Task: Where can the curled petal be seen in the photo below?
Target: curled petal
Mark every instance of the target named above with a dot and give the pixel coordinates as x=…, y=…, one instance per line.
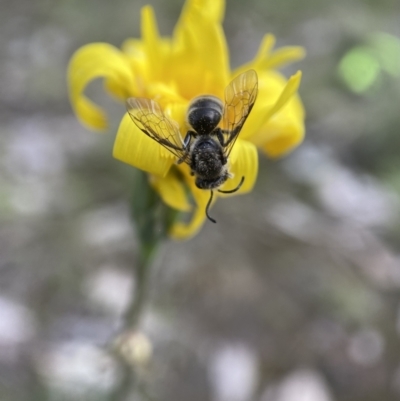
x=97, y=60
x=115, y=89
x=134, y=147
x=243, y=163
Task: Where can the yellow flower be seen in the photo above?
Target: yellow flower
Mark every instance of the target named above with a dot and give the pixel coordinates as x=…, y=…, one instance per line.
x=172, y=71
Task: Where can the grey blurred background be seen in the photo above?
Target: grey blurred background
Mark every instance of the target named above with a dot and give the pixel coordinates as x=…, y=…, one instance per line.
x=292, y=296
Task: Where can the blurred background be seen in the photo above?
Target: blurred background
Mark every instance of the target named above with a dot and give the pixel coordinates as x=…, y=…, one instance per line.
x=292, y=296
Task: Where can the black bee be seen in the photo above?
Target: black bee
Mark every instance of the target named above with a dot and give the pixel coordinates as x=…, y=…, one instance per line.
x=213, y=130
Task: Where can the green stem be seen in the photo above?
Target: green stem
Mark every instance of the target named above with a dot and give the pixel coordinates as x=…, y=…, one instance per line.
x=146, y=256
x=152, y=219
x=132, y=316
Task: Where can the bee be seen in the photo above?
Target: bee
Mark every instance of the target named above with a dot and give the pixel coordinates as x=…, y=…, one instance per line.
x=213, y=129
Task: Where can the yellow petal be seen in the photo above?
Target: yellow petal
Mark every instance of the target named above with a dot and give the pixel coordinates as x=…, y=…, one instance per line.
x=186, y=230
x=134, y=147
x=263, y=52
x=268, y=59
x=282, y=134
x=149, y=31
x=267, y=44
x=172, y=190
x=154, y=47
x=213, y=10
x=134, y=50
x=177, y=110
x=200, y=50
x=285, y=129
x=88, y=63
x=273, y=95
x=177, y=113
x=165, y=95
x=115, y=89
x=290, y=89
x=183, y=230
x=283, y=56
x=243, y=163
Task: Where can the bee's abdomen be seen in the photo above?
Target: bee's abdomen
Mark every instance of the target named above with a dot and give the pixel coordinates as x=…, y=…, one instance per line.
x=207, y=159
x=208, y=166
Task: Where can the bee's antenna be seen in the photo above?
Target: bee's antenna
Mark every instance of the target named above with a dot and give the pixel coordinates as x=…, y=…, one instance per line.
x=208, y=206
x=233, y=190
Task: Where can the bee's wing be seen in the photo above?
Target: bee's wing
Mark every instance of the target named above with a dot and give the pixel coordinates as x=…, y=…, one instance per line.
x=240, y=96
x=149, y=118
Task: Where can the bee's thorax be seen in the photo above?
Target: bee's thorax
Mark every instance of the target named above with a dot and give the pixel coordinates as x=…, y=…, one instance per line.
x=204, y=114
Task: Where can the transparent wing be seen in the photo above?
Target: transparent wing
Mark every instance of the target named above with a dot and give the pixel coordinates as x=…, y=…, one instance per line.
x=240, y=96
x=149, y=118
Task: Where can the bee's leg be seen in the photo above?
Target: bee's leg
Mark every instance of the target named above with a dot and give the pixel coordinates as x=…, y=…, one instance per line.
x=186, y=143
x=219, y=134
x=208, y=207
x=233, y=190
x=188, y=137
x=185, y=147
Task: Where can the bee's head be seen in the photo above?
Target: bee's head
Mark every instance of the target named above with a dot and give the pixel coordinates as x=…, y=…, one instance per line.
x=204, y=114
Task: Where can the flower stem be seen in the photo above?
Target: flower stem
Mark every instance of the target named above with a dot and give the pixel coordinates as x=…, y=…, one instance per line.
x=152, y=220
x=146, y=257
